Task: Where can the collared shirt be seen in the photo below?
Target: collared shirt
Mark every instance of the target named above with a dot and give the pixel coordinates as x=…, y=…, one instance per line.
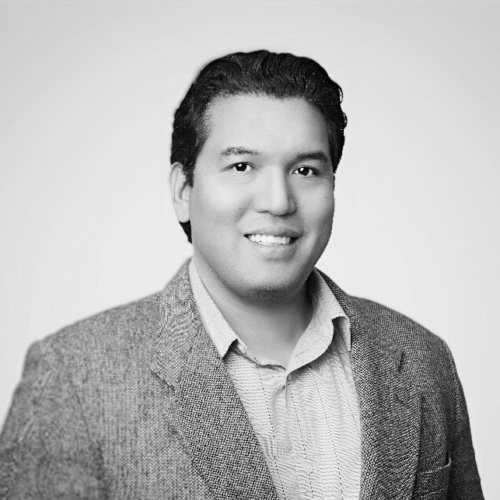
x=305, y=416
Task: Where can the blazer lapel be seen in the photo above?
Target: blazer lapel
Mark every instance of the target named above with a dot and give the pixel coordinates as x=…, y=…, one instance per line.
x=389, y=407
x=209, y=415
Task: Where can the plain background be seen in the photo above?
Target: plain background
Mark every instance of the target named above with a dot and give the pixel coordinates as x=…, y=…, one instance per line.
x=87, y=95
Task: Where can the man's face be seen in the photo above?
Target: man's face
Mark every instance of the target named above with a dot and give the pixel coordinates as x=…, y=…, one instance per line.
x=261, y=205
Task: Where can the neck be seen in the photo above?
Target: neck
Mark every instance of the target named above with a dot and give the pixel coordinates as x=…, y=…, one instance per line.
x=269, y=324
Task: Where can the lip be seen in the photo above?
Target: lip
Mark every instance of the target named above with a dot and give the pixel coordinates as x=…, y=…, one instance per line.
x=290, y=232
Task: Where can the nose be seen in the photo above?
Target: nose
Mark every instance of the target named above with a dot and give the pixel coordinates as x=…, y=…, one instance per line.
x=274, y=193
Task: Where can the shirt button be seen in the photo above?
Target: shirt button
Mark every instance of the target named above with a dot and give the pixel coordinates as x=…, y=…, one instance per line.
x=308, y=467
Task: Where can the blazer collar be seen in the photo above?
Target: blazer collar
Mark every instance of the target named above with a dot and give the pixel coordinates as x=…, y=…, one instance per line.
x=215, y=427
x=389, y=404
x=208, y=412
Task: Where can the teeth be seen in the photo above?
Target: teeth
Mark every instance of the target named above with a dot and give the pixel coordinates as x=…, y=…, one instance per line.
x=267, y=239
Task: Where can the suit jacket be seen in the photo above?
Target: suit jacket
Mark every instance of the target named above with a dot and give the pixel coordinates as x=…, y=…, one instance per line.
x=135, y=403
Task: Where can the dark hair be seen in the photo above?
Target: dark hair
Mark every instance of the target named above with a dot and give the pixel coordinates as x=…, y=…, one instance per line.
x=260, y=73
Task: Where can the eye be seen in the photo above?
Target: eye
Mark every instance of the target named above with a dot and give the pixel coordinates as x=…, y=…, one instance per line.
x=305, y=171
x=241, y=167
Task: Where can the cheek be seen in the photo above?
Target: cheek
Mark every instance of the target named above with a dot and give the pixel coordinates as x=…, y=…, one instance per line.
x=214, y=205
x=319, y=214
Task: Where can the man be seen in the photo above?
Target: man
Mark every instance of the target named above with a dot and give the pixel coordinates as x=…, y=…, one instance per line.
x=252, y=375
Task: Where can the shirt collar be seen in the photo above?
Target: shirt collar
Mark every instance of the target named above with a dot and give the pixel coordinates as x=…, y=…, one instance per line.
x=326, y=309
x=216, y=325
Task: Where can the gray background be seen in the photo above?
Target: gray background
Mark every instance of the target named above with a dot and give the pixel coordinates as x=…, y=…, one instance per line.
x=87, y=94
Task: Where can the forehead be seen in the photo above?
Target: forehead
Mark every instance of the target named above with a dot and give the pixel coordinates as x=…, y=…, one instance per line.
x=264, y=122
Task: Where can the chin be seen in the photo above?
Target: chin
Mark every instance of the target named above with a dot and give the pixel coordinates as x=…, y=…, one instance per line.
x=270, y=295
x=274, y=291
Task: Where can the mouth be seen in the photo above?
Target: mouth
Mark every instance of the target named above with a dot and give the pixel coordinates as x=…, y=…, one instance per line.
x=271, y=240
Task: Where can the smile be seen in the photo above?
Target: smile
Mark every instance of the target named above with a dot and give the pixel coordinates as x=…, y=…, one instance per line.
x=269, y=240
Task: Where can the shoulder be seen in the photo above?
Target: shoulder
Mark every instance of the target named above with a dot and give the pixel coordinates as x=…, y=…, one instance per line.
x=118, y=325
x=396, y=328
x=103, y=346
x=423, y=356
x=389, y=330
x=113, y=340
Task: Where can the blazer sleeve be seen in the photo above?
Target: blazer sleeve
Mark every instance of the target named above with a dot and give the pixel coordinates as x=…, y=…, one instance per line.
x=465, y=483
x=46, y=451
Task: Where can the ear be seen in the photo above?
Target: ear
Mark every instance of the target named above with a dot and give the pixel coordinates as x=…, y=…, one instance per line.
x=180, y=191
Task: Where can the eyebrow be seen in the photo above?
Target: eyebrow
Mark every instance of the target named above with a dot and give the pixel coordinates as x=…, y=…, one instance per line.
x=309, y=155
x=312, y=155
x=238, y=151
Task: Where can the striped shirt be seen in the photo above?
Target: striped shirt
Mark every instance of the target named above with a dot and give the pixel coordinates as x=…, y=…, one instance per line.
x=305, y=416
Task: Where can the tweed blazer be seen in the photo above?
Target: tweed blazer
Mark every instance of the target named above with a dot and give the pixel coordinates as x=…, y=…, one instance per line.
x=135, y=403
